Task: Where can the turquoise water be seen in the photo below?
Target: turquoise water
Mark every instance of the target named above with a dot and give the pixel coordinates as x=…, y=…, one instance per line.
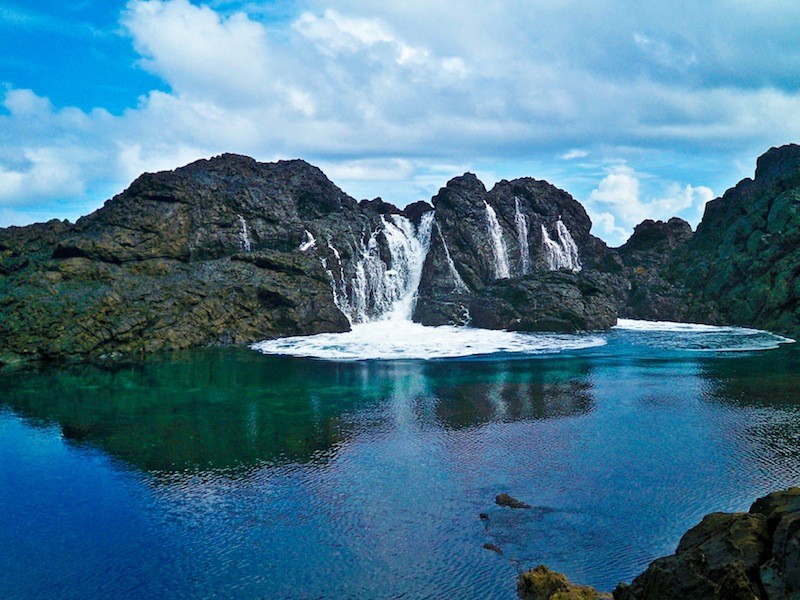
x=229, y=473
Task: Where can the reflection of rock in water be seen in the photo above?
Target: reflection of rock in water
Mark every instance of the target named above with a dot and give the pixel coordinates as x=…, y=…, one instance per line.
x=767, y=386
x=226, y=409
x=513, y=392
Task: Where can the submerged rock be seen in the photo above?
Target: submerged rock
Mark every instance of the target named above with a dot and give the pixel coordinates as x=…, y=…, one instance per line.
x=509, y=502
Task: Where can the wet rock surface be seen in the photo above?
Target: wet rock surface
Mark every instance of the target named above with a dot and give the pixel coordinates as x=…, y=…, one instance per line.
x=553, y=301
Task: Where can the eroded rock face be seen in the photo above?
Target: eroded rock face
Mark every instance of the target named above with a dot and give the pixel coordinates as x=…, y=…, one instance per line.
x=221, y=251
x=549, y=301
x=647, y=255
x=741, y=266
x=520, y=228
x=165, y=264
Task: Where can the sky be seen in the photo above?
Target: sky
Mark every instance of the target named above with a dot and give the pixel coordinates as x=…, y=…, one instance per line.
x=638, y=109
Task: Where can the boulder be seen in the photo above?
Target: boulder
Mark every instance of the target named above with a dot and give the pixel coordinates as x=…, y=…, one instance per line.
x=549, y=301
x=540, y=583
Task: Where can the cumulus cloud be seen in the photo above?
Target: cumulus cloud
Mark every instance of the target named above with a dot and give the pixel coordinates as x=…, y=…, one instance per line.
x=616, y=205
x=382, y=94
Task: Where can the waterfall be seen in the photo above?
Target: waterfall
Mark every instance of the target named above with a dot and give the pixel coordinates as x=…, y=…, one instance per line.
x=501, y=268
x=308, y=241
x=378, y=290
x=522, y=236
x=561, y=254
x=460, y=286
x=244, y=236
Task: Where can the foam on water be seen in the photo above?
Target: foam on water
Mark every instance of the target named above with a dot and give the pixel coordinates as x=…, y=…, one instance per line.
x=397, y=340
x=700, y=338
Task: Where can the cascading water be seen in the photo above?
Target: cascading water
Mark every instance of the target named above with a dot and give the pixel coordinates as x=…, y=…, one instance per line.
x=378, y=290
x=522, y=236
x=561, y=254
x=501, y=268
x=244, y=236
x=308, y=241
x=458, y=282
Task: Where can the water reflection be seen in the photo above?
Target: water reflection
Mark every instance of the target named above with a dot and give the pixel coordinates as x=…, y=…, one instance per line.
x=234, y=410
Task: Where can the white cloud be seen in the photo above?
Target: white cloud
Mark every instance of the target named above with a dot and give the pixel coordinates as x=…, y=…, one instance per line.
x=394, y=169
x=46, y=173
x=381, y=93
x=573, y=154
x=616, y=205
x=199, y=52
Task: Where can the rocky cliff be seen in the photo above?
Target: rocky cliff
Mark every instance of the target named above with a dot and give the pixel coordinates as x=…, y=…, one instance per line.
x=222, y=251
x=742, y=266
x=230, y=250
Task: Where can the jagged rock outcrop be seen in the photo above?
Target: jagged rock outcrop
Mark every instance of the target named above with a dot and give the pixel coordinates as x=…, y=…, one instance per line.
x=727, y=556
x=221, y=251
x=518, y=228
x=742, y=266
x=230, y=250
x=646, y=256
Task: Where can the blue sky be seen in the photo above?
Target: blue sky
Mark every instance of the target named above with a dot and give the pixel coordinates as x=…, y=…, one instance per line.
x=640, y=110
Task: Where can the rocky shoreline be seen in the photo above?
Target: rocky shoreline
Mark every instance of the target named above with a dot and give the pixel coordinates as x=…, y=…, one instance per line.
x=727, y=556
x=230, y=251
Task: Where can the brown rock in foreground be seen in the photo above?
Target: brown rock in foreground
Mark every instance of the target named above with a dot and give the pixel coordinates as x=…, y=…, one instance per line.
x=543, y=584
x=727, y=556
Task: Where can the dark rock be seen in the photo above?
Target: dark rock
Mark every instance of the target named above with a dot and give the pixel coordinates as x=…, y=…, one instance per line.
x=738, y=556
x=483, y=516
x=461, y=260
x=207, y=254
x=540, y=583
x=731, y=556
x=415, y=210
x=742, y=266
x=509, y=502
x=551, y=301
x=380, y=206
x=493, y=548
x=781, y=573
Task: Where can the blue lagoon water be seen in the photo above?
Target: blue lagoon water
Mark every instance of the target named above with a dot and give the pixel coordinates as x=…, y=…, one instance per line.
x=232, y=473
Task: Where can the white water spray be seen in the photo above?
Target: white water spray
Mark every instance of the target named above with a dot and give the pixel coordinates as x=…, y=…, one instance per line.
x=458, y=282
x=522, y=237
x=244, y=236
x=308, y=241
x=501, y=268
x=377, y=290
x=561, y=254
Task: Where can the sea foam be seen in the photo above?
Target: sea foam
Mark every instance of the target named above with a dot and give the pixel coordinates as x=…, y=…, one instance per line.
x=700, y=338
x=397, y=340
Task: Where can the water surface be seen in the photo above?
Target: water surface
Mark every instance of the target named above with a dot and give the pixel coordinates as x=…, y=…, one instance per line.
x=234, y=473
